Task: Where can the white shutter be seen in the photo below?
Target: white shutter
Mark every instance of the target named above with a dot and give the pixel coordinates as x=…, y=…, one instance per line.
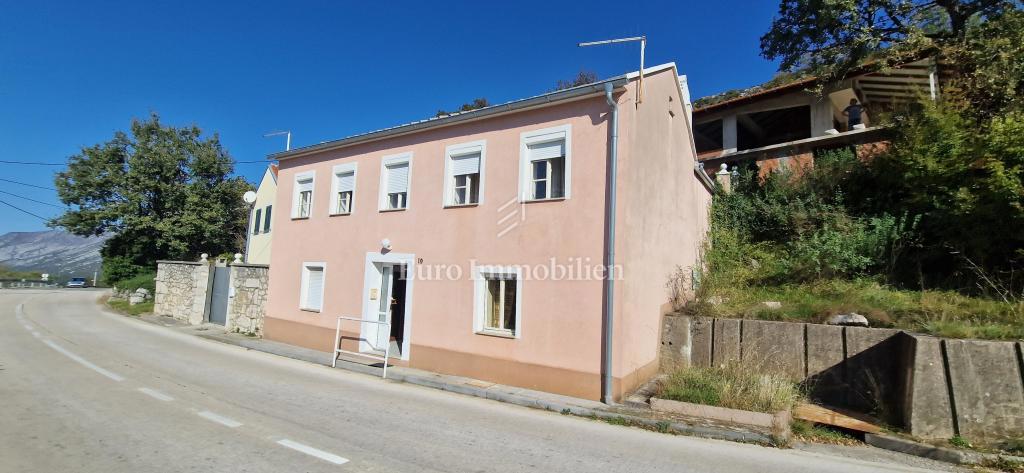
x=398, y=178
x=346, y=181
x=548, y=150
x=467, y=164
x=305, y=185
x=314, y=288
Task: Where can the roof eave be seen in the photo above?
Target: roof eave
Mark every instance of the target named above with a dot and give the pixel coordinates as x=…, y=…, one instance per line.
x=549, y=99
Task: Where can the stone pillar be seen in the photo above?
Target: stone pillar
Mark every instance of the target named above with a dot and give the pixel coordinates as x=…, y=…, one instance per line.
x=729, y=139
x=724, y=178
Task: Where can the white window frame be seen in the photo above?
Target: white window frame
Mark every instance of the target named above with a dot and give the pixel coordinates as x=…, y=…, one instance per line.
x=343, y=169
x=304, y=286
x=527, y=138
x=389, y=160
x=480, y=300
x=310, y=176
x=455, y=151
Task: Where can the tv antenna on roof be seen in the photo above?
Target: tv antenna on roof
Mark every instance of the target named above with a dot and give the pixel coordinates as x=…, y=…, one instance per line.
x=643, y=45
x=288, y=143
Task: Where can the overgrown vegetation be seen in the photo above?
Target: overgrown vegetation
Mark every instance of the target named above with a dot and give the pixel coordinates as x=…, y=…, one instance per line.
x=145, y=281
x=926, y=235
x=122, y=306
x=733, y=385
x=807, y=431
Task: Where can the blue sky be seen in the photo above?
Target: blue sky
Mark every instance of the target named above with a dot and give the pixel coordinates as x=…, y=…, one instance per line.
x=71, y=74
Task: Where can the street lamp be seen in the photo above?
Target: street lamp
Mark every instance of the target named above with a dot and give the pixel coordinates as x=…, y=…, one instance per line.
x=250, y=198
x=288, y=142
x=643, y=45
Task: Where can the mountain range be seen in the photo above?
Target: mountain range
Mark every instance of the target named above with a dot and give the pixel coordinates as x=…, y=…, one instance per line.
x=56, y=252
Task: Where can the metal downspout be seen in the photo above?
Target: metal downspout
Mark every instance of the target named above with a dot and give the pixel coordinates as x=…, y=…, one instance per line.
x=608, y=311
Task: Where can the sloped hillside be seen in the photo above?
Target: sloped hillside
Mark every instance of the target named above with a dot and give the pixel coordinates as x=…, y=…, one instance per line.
x=56, y=252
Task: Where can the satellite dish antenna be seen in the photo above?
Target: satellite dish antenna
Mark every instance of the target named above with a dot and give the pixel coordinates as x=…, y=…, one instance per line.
x=249, y=197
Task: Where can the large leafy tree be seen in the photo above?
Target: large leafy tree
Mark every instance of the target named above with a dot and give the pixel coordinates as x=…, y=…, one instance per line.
x=830, y=36
x=162, y=192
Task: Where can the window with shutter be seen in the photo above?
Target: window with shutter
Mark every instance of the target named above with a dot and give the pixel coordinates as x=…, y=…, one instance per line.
x=302, y=203
x=312, y=287
x=397, y=185
x=464, y=173
x=547, y=162
x=545, y=158
x=344, y=192
x=266, y=219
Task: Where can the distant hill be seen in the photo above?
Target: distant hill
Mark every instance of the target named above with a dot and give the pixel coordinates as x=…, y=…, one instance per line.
x=59, y=253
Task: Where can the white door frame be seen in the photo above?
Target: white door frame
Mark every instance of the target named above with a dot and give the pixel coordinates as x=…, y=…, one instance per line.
x=372, y=281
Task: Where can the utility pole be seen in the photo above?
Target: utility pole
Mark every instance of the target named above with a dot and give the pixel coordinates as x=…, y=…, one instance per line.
x=643, y=46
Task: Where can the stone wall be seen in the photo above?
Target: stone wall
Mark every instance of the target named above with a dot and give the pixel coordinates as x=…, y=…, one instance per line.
x=182, y=290
x=935, y=388
x=248, y=297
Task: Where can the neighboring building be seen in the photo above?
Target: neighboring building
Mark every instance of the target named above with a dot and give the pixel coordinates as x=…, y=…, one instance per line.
x=784, y=126
x=455, y=229
x=260, y=220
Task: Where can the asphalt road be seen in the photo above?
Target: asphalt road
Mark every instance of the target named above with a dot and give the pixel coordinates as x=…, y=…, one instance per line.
x=83, y=390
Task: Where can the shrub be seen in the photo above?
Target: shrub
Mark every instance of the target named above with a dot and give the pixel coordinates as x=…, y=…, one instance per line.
x=119, y=268
x=146, y=281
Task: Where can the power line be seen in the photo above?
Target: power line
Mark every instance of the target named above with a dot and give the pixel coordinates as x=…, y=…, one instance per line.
x=31, y=199
x=26, y=184
x=15, y=207
x=30, y=162
x=65, y=164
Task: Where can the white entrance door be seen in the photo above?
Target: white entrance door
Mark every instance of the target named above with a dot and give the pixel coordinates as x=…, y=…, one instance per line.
x=383, y=335
x=387, y=298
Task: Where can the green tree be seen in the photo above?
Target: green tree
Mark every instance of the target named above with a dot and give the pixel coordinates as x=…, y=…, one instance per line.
x=466, y=107
x=163, y=192
x=830, y=36
x=582, y=78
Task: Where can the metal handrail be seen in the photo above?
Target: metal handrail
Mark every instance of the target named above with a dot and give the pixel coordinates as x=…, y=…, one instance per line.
x=337, y=343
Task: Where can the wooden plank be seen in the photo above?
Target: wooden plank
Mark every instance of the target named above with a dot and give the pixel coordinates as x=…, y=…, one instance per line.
x=824, y=415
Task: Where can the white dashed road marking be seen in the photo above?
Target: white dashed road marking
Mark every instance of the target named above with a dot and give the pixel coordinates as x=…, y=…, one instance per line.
x=153, y=393
x=84, y=362
x=227, y=422
x=330, y=457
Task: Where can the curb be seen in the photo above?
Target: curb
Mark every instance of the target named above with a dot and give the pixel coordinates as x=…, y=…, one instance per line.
x=910, y=447
x=943, y=454
x=510, y=395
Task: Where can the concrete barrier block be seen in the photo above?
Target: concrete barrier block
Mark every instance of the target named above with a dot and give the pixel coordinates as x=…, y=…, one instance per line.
x=987, y=392
x=928, y=411
x=700, y=339
x=826, y=378
x=776, y=347
x=675, y=342
x=873, y=361
x=726, y=346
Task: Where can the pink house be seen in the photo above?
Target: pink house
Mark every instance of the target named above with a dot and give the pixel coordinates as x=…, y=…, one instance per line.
x=482, y=237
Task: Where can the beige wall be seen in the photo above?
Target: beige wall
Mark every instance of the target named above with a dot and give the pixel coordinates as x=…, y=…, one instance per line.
x=259, y=244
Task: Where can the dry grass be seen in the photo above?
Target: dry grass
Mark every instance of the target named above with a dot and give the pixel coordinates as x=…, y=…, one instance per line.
x=734, y=385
